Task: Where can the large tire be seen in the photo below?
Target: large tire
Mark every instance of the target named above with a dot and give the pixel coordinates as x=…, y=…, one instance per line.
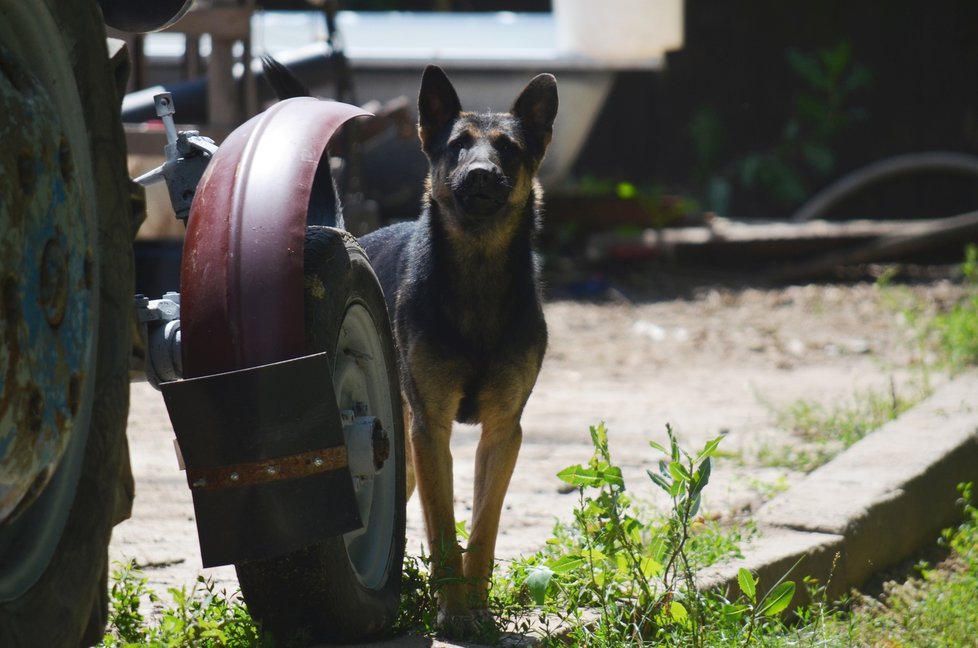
x=67, y=605
x=346, y=588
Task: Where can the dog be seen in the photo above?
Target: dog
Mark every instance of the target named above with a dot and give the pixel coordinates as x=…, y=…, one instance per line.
x=463, y=291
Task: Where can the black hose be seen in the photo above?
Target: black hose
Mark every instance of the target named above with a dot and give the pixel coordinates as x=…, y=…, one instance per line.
x=861, y=178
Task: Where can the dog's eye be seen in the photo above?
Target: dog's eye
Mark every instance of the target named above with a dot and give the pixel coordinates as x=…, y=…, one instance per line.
x=505, y=145
x=461, y=142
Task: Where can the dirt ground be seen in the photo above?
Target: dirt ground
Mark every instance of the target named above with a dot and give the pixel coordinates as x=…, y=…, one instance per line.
x=711, y=360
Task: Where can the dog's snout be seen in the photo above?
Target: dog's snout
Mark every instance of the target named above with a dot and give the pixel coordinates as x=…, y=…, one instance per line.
x=482, y=175
x=481, y=188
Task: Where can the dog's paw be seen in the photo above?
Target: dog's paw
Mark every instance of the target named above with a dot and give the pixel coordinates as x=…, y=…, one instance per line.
x=477, y=624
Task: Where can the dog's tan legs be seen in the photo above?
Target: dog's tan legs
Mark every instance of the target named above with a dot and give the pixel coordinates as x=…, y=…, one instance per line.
x=433, y=471
x=494, y=462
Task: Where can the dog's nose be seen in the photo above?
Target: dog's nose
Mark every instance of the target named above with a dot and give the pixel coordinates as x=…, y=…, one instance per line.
x=482, y=189
x=481, y=176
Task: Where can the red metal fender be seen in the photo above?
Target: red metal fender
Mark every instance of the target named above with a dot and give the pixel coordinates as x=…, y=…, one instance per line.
x=241, y=293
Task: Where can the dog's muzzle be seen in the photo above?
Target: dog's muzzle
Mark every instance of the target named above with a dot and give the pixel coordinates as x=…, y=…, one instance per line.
x=482, y=190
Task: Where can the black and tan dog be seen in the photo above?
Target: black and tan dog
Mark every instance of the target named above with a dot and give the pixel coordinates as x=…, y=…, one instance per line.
x=463, y=292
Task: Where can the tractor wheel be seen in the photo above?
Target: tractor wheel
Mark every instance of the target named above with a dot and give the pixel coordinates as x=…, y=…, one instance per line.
x=67, y=306
x=346, y=588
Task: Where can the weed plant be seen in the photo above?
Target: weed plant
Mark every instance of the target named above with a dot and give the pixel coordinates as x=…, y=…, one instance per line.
x=640, y=577
x=828, y=92
x=611, y=578
x=200, y=618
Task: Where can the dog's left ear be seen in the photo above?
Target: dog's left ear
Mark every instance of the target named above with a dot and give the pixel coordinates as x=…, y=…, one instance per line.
x=536, y=108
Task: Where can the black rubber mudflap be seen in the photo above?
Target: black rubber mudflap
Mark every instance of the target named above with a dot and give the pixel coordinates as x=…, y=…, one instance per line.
x=265, y=459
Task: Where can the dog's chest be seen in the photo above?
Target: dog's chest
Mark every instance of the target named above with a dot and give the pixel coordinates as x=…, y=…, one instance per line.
x=491, y=302
x=485, y=339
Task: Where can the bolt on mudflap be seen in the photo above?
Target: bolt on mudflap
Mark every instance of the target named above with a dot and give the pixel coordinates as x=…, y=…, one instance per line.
x=265, y=458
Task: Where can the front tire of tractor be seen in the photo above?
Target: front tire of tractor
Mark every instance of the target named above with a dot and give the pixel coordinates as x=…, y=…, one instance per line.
x=346, y=588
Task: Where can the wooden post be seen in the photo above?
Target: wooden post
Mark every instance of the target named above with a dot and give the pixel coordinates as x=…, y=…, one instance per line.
x=227, y=22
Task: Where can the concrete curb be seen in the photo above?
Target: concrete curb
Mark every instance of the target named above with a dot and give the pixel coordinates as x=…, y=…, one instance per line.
x=873, y=506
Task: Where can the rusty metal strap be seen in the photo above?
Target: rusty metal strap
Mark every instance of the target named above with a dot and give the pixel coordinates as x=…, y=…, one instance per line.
x=268, y=470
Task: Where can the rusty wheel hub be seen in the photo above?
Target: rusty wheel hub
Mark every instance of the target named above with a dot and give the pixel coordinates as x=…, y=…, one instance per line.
x=49, y=287
x=47, y=328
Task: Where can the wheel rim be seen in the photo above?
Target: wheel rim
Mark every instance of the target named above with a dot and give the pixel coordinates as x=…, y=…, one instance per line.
x=363, y=388
x=61, y=336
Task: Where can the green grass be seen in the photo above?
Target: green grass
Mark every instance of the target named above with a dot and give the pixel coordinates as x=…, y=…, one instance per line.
x=938, y=607
x=566, y=598
x=946, y=334
x=820, y=432
x=612, y=578
x=947, y=340
x=957, y=329
x=201, y=618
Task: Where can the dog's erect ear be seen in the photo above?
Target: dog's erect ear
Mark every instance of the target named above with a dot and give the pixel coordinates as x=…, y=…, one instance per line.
x=438, y=104
x=536, y=108
x=285, y=84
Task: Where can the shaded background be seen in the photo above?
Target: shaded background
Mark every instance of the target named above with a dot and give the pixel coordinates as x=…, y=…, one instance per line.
x=766, y=103
x=922, y=58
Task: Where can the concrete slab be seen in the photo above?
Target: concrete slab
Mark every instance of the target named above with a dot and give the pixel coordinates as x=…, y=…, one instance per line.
x=892, y=492
x=773, y=555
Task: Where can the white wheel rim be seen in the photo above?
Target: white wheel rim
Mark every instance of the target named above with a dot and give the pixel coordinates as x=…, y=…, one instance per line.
x=362, y=385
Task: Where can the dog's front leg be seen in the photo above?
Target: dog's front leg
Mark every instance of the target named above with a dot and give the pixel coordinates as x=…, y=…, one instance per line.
x=430, y=436
x=494, y=462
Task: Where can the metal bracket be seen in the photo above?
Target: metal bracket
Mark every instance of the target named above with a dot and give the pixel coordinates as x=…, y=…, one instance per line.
x=161, y=317
x=187, y=155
